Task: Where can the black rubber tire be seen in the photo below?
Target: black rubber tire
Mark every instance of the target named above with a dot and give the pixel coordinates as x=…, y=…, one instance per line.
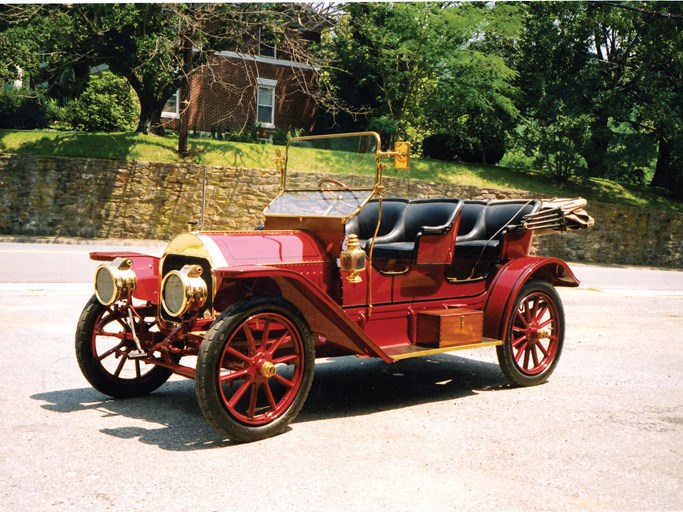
x=212, y=358
x=100, y=377
x=538, y=360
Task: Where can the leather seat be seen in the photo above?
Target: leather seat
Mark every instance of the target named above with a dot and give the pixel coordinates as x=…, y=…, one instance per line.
x=421, y=217
x=471, y=211
x=365, y=223
x=497, y=218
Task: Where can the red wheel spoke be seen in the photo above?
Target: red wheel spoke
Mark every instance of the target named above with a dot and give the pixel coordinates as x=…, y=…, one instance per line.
x=527, y=350
x=123, y=324
x=233, y=375
x=534, y=308
x=283, y=381
x=280, y=341
x=520, y=352
x=518, y=341
x=539, y=314
x=138, y=372
x=286, y=359
x=270, y=397
x=546, y=323
x=534, y=355
x=542, y=349
x=520, y=316
x=266, y=335
x=253, y=399
x=110, y=351
x=124, y=357
x=237, y=354
x=250, y=338
x=239, y=394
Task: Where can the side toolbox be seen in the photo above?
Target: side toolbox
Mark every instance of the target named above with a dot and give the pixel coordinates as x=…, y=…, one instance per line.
x=449, y=327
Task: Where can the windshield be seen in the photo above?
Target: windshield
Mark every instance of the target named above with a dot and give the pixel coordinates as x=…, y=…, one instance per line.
x=327, y=175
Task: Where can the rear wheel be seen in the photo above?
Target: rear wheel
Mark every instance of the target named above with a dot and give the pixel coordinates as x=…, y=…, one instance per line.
x=534, y=336
x=255, y=368
x=104, y=343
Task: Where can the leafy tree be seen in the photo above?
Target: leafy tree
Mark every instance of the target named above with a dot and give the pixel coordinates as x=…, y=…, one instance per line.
x=416, y=68
x=617, y=66
x=659, y=97
x=559, y=146
x=144, y=43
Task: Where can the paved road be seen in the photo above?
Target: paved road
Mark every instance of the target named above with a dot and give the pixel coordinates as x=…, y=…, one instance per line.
x=443, y=433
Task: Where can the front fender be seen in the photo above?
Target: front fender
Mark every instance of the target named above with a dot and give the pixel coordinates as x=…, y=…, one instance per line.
x=509, y=281
x=146, y=270
x=325, y=317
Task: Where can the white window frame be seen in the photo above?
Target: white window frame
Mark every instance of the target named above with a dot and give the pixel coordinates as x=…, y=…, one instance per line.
x=168, y=114
x=262, y=44
x=265, y=83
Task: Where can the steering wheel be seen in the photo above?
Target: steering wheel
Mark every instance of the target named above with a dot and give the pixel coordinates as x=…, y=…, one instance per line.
x=324, y=181
x=333, y=193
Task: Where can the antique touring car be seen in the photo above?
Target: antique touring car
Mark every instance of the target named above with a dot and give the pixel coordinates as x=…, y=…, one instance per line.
x=336, y=269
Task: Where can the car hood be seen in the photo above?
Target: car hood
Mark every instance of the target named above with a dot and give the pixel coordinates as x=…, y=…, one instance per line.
x=229, y=249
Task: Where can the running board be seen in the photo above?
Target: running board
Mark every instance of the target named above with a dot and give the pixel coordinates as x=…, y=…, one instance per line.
x=407, y=351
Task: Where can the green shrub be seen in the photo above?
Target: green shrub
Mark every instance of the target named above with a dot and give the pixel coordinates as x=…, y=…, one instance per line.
x=463, y=145
x=438, y=146
x=557, y=146
x=21, y=109
x=107, y=104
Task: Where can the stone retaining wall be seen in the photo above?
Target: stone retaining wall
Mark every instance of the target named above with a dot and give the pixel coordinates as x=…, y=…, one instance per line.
x=90, y=198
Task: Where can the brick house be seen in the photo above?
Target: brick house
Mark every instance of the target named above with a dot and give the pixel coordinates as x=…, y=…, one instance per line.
x=263, y=88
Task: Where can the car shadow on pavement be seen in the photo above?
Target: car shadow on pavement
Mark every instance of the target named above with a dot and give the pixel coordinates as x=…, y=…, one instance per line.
x=171, y=415
x=350, y=386
x=342, y=387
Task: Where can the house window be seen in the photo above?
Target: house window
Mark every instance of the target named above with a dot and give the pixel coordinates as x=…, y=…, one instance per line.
x=172, y=107
x=267, y=46
x=265, y=103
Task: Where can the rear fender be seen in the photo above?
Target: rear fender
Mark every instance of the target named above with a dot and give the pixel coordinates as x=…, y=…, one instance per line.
x=509, y=281
x=324, y=317
x=146, y=270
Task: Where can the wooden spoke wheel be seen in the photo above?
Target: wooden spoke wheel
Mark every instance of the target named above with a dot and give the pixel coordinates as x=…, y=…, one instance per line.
x=104, y=344
x=534, y=335
x=255, y=368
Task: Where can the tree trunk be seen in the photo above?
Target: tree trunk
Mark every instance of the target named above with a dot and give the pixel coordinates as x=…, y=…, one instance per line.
x=150, y=108
x=596, y=153
x=664, y=172
x=150, y=118
x=185, y=95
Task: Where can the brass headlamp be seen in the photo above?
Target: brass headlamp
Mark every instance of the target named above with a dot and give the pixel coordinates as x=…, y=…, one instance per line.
x=114, y=281
x=183, y=291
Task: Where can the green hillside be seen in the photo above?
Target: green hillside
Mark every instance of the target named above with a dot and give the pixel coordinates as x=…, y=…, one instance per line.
x=132, y=146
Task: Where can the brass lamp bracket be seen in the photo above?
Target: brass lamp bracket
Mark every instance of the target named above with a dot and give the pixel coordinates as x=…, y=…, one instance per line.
x=353, y=259
x=401, y=155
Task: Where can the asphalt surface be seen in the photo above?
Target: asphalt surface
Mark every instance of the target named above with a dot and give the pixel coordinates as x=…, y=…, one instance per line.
x=439, y=433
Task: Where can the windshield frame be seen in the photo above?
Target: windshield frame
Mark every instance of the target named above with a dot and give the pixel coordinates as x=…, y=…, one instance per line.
x=282, y=165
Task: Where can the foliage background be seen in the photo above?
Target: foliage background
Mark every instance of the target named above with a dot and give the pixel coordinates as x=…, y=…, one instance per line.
x=574, y=90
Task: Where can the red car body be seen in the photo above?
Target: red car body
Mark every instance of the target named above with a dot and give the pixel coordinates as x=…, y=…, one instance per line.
x=335, y=270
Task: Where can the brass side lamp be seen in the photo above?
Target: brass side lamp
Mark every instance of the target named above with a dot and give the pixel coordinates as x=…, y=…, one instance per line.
x=353, y=259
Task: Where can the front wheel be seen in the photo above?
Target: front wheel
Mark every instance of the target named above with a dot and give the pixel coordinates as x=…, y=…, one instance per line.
x=255, y=368
x=534, y=335
x=104, y=345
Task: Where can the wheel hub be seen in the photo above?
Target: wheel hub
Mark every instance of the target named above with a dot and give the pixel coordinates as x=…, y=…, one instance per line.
x=267, y=369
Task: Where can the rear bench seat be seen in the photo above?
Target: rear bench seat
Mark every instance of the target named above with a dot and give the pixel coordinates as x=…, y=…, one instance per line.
x=471, y=211
x=421, y=217
x=493, y=222
x=365, y=223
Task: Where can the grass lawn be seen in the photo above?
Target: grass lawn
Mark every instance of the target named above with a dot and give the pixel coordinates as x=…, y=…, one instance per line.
x=131, y=146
